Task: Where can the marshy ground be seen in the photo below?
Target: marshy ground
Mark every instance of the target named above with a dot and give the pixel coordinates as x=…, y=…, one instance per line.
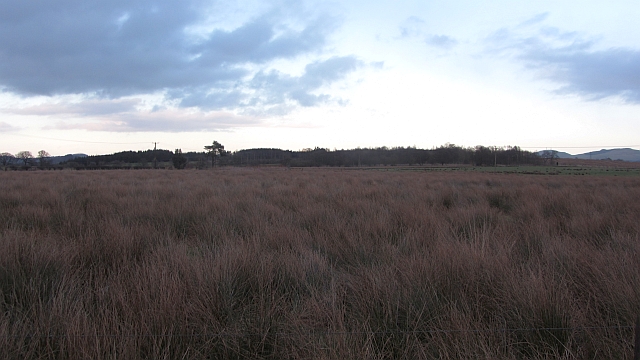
x=317, y=264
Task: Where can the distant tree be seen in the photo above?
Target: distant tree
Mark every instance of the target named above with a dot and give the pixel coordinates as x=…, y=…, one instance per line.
x=179, y=161
x=214, y=150
x=6, y=159
x=448, y=154
x=482, y=156
x=25, y=156
x=513, y=155
x=549, y=156
x=201, y=163
x=42, y=157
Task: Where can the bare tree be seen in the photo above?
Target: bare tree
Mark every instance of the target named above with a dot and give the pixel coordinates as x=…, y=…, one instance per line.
x=6, y=158
x=549, y=156
x=42, y=157
x=25, y=156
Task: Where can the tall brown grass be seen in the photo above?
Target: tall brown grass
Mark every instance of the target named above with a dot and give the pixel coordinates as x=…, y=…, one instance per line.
x=317, y=264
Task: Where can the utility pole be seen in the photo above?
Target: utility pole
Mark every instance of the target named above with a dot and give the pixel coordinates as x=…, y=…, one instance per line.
x=155, y=159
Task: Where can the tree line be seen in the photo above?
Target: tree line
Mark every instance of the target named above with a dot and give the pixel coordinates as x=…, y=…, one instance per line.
x=25, y=158
x=215, y=155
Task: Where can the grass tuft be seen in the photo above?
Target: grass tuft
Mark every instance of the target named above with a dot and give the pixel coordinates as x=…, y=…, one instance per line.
x=325, y=264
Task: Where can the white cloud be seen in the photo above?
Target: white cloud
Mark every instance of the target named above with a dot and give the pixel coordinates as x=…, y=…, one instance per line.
x=441, y=41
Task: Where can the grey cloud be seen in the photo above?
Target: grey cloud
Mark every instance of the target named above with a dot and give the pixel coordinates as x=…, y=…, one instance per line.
x=218, y=99
x=535, y=19
x=323, y=72
x=570, y=60
x=411, y=27
x=88, y=107
x=269, y=89
x=118, y=48
x=306, y=99
x=201, y=122
x=499, y=39
x=442, y=41
x=75, y=47
x=5, y=127
x=165, y=120
x=97, y=107
x=276, y=87
x=591, y=74
x=257, y=42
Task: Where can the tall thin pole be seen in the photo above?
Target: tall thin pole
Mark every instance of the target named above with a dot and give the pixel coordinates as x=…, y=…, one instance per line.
x=155, y=159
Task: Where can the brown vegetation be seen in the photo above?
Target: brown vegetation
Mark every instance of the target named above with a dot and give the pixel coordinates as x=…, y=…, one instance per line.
x=615, y=164
x=318, y=264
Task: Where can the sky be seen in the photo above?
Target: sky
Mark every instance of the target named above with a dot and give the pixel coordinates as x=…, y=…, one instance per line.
x=98, y=77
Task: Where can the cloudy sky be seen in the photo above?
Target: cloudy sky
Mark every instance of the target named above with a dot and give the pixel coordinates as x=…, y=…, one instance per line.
x=105, y=76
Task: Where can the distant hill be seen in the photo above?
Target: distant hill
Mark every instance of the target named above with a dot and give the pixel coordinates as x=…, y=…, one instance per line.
x=625, y=154
x=58, y=159
x=563, y=155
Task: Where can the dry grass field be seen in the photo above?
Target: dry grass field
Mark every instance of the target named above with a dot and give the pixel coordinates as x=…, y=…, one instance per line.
x=317, y=264
x=599, y=163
